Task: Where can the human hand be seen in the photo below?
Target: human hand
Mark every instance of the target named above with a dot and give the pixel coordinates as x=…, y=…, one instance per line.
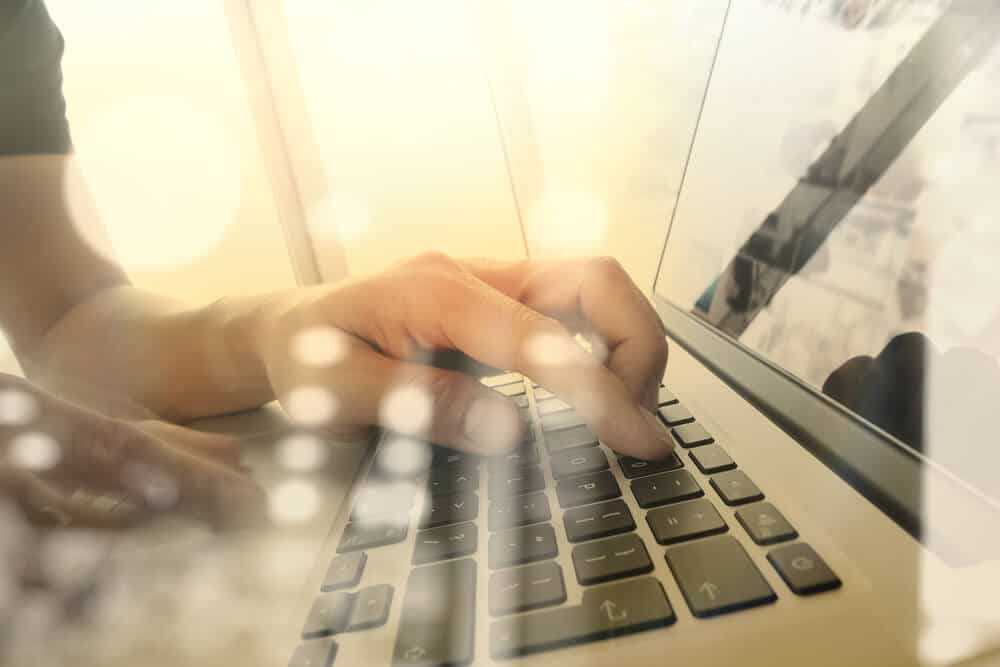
x=346, y=356
x=67, y=464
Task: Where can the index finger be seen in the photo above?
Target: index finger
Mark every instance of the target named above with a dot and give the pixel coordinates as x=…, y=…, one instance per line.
x=489, y=325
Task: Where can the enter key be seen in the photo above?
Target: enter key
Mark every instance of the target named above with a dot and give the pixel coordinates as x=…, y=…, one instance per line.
x=606, y=611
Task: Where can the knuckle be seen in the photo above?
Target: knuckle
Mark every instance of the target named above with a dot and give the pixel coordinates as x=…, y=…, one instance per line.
x=105, y=444
x=445, y=388
x=452, y=394
x=524, y=318
x=608, y=268
x=434, y=259
x=660, y=351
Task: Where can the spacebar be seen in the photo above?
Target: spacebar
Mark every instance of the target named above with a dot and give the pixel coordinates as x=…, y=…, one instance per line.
x=607, y=611
x=438, y=618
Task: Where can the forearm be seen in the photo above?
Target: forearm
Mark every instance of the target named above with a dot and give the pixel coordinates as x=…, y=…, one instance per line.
x=179, y=362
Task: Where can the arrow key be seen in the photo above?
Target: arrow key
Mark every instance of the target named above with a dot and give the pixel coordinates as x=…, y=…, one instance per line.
x=717, y=576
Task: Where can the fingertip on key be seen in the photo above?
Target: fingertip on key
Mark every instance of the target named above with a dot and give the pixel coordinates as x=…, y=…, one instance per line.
x=660, y=443
x=493, y=425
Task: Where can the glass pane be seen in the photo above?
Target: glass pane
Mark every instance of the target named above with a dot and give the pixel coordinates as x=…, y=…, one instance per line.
x=850, y=237
x=407, y=150
x=167, y=148
x=599, y=102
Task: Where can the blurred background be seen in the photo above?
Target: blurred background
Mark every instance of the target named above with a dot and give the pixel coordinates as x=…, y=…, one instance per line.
x=388, y=113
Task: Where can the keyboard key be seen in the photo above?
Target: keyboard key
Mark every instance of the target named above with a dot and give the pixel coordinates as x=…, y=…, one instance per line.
x=344, y=571
x=498, y=380
x=576, y=462
x=561, y=420
x=445, y=510
x=765, y=524
x=328, y=615
x=384, y=501
x=692, y=435
x=685, y=521
x=735, y=488
x=613, y=558
x=317, y=653
x=670, y=487
x=607, y=611
x=632, y=467
x=521, y=400
x=358, y=537
x=549, y=406
x=529, y=429
x=517, y=481
x=600, y=520
x=585, y=489
x=522, y=545
x=524, y=588
x=510, y=390
x=675, y=414
x=453, y=479
x=526, y=454
x=802, y=569
x=578, y=436
x=519, y=511
x=371, y=608
x=439, y=632
x=445, y=456
x=666, y=397
x=541, y=393
x=717, y=576
x=711, y=459
x=446, y=542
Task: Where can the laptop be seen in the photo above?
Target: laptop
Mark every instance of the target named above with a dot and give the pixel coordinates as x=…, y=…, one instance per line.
x=827, y=285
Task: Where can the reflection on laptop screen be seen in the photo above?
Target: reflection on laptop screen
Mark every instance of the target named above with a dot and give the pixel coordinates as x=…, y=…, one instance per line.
x=839, y=214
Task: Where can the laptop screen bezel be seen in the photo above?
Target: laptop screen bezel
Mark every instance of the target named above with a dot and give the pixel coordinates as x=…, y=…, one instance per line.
x=879, y=467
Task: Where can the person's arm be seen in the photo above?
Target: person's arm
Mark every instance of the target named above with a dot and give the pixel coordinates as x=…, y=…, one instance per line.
x=70, y=311
x=237, y=354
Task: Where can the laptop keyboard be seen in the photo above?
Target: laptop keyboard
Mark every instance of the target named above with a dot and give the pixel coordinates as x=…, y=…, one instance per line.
x=684, y=500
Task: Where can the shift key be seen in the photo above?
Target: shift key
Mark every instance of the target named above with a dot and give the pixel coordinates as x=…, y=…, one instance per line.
x=717, y=576
x=438, y=616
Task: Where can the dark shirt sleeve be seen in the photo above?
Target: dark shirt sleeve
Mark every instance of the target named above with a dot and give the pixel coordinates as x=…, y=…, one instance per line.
x=32, y=108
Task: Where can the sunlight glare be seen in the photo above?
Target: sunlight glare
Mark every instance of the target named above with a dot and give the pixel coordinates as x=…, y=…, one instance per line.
x=164, y=173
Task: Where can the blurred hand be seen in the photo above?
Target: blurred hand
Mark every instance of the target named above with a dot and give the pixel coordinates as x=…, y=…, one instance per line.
x=67, y=464
x=347, y=356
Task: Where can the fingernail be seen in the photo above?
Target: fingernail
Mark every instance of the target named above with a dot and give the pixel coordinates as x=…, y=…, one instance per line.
x=661, y=434
x=493, y=424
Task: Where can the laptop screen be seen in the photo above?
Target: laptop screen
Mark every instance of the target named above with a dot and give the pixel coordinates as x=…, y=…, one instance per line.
x=840, y=213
